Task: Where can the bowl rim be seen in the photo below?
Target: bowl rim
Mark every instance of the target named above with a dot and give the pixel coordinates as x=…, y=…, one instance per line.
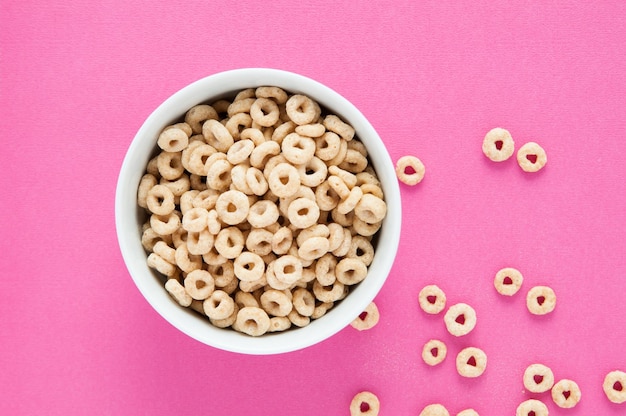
x=129, y=233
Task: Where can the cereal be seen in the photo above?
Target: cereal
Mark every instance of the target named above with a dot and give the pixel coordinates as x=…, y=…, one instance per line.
x=160, y=200
x=410, y=170
x=498, y=145
x=367, y=319
x=253, y=321
x=471, y=362
x=432, y=299
x=298, y=149
x=232, y=207
x=303, y=302
x=199, y=284
x=276, y=302
x=303, y=212
x=230, y=242
x=177, y=291
x=566, y=393
x=614, y=386
x=538, y=378
x=364, y=403
x=350, y=271
x=249, y=266
x=532, y=407
x=467, y=412
x=508, y=281
x=460, y=319
x=219, y=305
x=301, y=109
x=434, y=410
x=434, y=352
x=531, y=157
x=173, y=139
x=541, y=300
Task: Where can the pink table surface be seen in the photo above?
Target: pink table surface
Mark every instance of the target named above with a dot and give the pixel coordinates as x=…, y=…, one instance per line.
x=77, y=80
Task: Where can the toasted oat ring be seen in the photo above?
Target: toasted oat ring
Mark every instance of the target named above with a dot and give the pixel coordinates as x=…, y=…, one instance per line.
x=327, y=146
x=350, y=203
x=301, y=109
x=287, y=269
x=173, y=139
x=195, y=219
x=249, y=266
x=165, y=251
x=460, y=319
x=313, y=248
x=223, y=273
x=330, y=293
x=276, y=302
x=468, y=412
x=303, y=212
x=170, y=165
x=350, y=271
x=312, y=130
x=256, y=181
x=198, y=157
x=367, y=319
x=313, y=173
x=410, y=170
x=471, y=362
x=303, y=301
x=276, y=93
x=298, y=149
x=229, y=242
x=160, y=200
x=540, y=300
x=161, y=265
x=263, y=213
x=264, y=112
x=566, y=393
x=508, y=281
x=219, y=305
x=232, y=207
x=370, y=209
x=240, y=151
x=434, y=352
x=197, y=115
x=186, y=261
x=354, y=161
x=284, y=180
x=365, y=229
x=253, y=134
x=532, y=407
x=218, y=175
x=148, y=181
x=614, y=386
x=434, y=410
x=364, y=403
x=432, y=299
x=531, y=157
x=165, y=224
x=217, y=135
x=263, y=152
x=200, y=242
x=199, y=284
x=252, y=321
x=336, y=125
x=498, y=144
x=538, y=378
x=177, y=291
x=361, y=248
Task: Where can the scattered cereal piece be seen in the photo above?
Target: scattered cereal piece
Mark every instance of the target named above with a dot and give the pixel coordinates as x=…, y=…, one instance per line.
x=508, y=281
x=410, y=170
x=471, y=362
x=434, y=410
x=367, y=319
x=498, y=145
x=532, y=407
x=541, y=300
x=460, y=319
x=614, y=386
x=177, y=291
x=432, y=299
x=364, y=403
x=434, y=352
x=538, y=378
x=566, y=393
x=468, y=412
x=531, y=157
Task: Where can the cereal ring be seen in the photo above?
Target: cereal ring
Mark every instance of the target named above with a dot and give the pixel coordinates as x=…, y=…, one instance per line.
x=232, y=207
x=410, y=170
x=166, y=252
x=276, y=93
x=243, y=299
x=186, y=261
x=460, y=319
x=311, y=130
x=196, y=219
x=297, y=319
x=339, y=186
x=317, y=230
x=434, y=352
x=508, y=281
x=614, y=386
x=173, y=139
x=364, y=403
x=263, y=152
x=229, y=242
x=346, y=243
x=361, y=248
x=350, y=203
x=241, y=104
x=221, y=106
x=219, y=305
x=313, y=172
x=498, y=144
x=165, y=225
x=199, y=284
x=335, y=236
x=298, y=149
x=264, y=112
x=471, y=362
x=279, y=324
x=566, y=393
x=160, y=200
x=147, y=182
x=327, y=146
x=370, y=209
x=538, y=378
x=282, y=131
x=240, y=151
x=217, y=135
x=276, y=302
x=468, y=412
x=531, y=157
x=303, y=301
x=432, y=299
x=282, y=240
x=186, y=200
x=313, y=248
x=223, y=273
x=218, y=175
x=161, y=265
x=238, y=179
x=197, y=115
x=336, y=125
x=353, y=161
x=213, y=223
x=249, y=266
x=149, y=238
x=365, y=229
x=434, y=410
x=238, y=123
x=303, y=213
x=288, y=269
x=177, y=291
x=301, y=109
x=226, y=322
x=350, y=271
x=284, y=180
x=263, y=213
x=201, y=242
x=348, y=178
x=531, y=407
x=179, y=186
x=366, y=319
x=271, y=279
x=321, y=308
x=540, y=300
x=198, y=158
x=170, y=165
x=256, y=181
x=326, y=198
x=252, y=321
x=325, y=269
x=253, y=134
x=330, y=293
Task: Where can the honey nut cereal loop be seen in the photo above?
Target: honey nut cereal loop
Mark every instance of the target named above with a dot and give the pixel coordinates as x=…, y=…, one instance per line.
x=541, y=300
x=508, y=281
x=531, y=407
x=471, y=362
x=435, y=409
x=364, y=403
x=432, y=299
x=434, y=352
x=566, y=393
x=538, y=378
x=367, y=319
x=531, y=157
x=614, y=386
x=410, y=170
x=498, y=144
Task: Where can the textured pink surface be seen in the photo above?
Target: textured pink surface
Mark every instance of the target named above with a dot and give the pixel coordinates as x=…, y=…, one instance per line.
x=77, y=80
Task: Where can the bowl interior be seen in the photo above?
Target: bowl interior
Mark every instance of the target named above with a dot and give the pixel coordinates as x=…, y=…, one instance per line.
x=130, y=217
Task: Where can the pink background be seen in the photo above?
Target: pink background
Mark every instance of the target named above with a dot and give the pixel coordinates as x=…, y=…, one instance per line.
x=78, y=79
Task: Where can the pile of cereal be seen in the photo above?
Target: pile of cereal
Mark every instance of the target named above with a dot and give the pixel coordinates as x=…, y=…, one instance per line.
x=262, y=210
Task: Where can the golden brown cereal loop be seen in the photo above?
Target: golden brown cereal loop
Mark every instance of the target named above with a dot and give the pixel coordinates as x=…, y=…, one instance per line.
x=198, y=157
x=367, y=319
x=160, y=200
x=177, y=291
x=541, y=300
x=434, y=352
x=252, y=321
x=287, y=269
x=229, y=242
x=280, y=132
x=614, y=386
x=508, y=281
x=238, y=179
x=298, y=149
x=313, y=173
x=343, y=249
x=410, y=170
x=498, y=144
x=460, y=319
x=301, y=109
x=179, y=186
x=361, y=248
x=275, y=93
x=197, y=115
x=434, y=410
x=284, y=180
x=259, y=241
x=531, y=407
x=173, y=139
x=279, y=324
x=566, y=393
x=317, y=230
x=329, y=293
x=471, y=362
x=228, y=321
x=249, y=266
x=364, y=403
x=538, y=378
x=199, y=284
x=232, y=207
x=327, y=146
x=219, y=305
x=276, y=302
x=303, y=212
x=223, y=273
x=531, y=157
x=186, y=200
x=432, y=299
x=254, y=135
x=256, y=181
x=149, y=238
x=350, y=271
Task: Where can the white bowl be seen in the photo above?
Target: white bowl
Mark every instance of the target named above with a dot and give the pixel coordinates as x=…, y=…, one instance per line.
x=129, y=217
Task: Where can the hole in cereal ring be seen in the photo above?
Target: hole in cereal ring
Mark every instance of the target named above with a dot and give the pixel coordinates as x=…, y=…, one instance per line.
x=472, y=361
x=431, y=299
x=303, y=211
x=532, y=413
x=532, y=158
x=460, y=319
x=538, y=378
x=290, y=268
x=250, y=323
x=231, y=207
x=617, y=386
x=566, y=394
x=498, y=144
x=363, y=315
x=409, y=170
x=284, y=180
x=364, y=407
x=434, y=351
x=507, y=281
x=200, y=284
x=540, y=300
